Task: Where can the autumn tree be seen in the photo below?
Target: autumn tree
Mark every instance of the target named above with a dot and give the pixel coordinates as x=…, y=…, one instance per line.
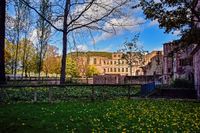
x=51, y=62
x=26, y=43
x=27, y=57
x=10, y=50
x=43, y=32
x=18, y=29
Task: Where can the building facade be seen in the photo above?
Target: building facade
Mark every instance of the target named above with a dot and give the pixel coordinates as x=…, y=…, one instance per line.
x=116, y=65
x=177, y=62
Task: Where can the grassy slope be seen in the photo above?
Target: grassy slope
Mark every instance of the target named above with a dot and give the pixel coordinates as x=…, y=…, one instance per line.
x=112, y=116
x=92, y=53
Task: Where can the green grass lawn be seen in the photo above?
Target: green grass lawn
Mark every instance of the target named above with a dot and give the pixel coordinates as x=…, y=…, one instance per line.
x=119, y=115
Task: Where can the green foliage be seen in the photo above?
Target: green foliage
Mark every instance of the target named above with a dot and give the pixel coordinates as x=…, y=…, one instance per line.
x=109, y=116
x=91, y=71
x=71, y=70
x=175, y=15
x=171, y=15
x=65, y=93
x=182, y=83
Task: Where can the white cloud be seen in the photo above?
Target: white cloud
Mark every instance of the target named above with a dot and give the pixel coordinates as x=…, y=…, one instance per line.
x=80, y=47
x=177, y=32
x=118, y=26
x=152, y=23
x=33, y=36
x=158, y=49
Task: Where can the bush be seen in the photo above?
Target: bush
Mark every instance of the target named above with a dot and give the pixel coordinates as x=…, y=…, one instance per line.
x=183, y=83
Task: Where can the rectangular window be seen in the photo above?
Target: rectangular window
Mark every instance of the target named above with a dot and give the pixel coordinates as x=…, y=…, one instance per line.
x=115, y=69
x=122, y=69
x=95, y=61
x=115, y=62
x=118, y=69
x=169, y=70
x=110, y=69
x=126, y=69
x=111, y=62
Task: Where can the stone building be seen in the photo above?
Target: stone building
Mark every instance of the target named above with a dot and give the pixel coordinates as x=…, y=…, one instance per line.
x=177, y=62
x=154, y=63
x=113, y=63
x=196, y=63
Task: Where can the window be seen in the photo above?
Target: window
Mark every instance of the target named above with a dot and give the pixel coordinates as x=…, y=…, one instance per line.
x=126, y=69
x=114, y=55
x=118, y=69
x=118, y=55
x=104, y=70
x=110, y=69
x=122, y=62
x=104, y=62
x=115, y=69
x=111, y=62
x=95, y=61
x=122, y=69
x=169, y=70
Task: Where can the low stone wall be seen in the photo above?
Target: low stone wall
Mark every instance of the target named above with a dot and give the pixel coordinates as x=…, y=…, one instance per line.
x=141, y=79
x=108, y=79
x=118, y=79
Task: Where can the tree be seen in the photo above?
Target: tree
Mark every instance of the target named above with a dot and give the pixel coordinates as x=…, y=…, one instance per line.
x=27, y=25
x=10, y=50
x=88, y=15
x=18, y=28
x=50, y=61
x=183, y=15
x=71, y=69
x=43, y=32
x=132, y=53
x=2, y=41
x=27, y=56
x=91, y=71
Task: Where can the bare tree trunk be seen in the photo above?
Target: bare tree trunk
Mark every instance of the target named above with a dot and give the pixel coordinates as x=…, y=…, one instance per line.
x=40, y=65
x=64, y=56
x=2, y=41
x=65, y=34
x=16, y=56
x=24, y=57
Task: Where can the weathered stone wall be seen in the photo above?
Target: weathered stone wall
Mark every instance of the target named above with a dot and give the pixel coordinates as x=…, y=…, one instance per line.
x=117, y=79
x=107, y=79
x=196, y=63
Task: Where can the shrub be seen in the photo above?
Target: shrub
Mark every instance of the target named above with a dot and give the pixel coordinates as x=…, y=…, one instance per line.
x=183, y=83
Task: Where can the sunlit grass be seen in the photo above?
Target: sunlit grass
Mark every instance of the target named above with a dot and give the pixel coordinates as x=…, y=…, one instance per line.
x=102, y=116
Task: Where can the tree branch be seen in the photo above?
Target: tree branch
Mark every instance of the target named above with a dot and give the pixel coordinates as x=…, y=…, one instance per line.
x=27, y=4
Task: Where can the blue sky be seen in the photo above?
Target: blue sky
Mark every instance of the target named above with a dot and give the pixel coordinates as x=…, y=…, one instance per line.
x=151, y=37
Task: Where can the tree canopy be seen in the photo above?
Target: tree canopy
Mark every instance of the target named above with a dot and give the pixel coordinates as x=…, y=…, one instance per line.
x=182, y=15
